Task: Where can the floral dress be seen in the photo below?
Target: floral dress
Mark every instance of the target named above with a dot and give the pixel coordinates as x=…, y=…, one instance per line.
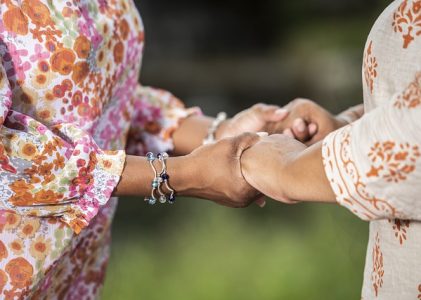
x=374, y=164
x=70, y=104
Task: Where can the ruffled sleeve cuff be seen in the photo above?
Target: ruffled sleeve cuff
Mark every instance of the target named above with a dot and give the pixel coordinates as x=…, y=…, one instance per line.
x=157, y=116
x=55, y=172
x=106, y=174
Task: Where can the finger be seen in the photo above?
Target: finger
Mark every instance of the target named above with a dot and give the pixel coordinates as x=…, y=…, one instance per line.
x=271, y=113
x=288, y=132
x=315, y=138
x=312, y=129
x=261, y=202
x=300, y=130
x=275, y=114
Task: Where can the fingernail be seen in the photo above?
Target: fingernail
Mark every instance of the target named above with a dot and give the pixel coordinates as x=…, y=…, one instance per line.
x=263, y=134
x=312, y=128
x=299, y=125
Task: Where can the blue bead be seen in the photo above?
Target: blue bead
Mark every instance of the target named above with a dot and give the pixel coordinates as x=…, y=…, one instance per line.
x=165, y=176
x=150, y=156
x=171, y=200
x=150, y=201
x=155, y=184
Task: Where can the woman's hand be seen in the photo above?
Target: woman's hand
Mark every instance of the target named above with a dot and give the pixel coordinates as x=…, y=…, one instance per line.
x=287, y=170
x=308, y=122
x=210, y=172
x=213, y=172
x=265, y=164
x=259, y=118
x=193, y=130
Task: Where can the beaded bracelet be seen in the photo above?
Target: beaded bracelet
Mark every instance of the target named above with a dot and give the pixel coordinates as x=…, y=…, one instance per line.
x=155, y=182
x=210, y=138
x=161, y=178
x=163, y=156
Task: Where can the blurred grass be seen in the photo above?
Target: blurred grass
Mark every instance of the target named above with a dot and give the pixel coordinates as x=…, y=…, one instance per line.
x=280, y=252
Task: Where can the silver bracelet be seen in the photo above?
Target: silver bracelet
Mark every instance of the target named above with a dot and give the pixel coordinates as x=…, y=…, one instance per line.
x=160, y=180
x=163, y=156
x=155, y=182
x=210, y=138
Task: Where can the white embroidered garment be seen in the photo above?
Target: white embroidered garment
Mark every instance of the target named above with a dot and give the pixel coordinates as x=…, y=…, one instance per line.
x=374, y=164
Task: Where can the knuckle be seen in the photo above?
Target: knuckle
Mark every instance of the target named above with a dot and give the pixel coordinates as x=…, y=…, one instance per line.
x=259, y=106
x=248, y=135
x=295, y=101
x=244, y=138
x=302, y=102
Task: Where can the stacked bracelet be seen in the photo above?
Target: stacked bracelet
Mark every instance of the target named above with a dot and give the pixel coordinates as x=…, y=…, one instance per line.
x=155, y=182
x=165, y=177
x=210, y=138
x=160, y=181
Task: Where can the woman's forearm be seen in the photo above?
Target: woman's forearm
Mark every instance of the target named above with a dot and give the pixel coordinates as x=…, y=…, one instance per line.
x=193, y=130
x=138, y=175
x=304, y=178
x=190, y=134
x=212, y=172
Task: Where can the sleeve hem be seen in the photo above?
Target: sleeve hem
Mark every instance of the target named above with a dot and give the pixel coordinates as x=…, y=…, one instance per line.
x=158, y=115
x=346, y=181
x=106, y=177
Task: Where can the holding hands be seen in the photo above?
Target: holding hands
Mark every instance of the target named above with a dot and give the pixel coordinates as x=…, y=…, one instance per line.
x=286, y=166
x=307, y=122
x=240, y=167
x=219, y=177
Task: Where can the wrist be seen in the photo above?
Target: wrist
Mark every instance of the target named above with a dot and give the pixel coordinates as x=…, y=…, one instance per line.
x=342, y=121
x=305, y=179
x=217, y=130
x=223, y=130
x=287, y=178
x=184, y=175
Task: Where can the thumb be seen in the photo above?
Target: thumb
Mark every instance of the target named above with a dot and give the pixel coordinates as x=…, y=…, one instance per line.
x=275, y=114
x=270, y=113
x=245, y=141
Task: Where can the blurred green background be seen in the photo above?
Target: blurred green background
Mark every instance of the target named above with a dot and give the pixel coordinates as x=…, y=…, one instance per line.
x=227, y=55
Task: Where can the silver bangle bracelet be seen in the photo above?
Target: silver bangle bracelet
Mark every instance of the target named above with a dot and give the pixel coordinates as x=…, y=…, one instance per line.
x=210, y=138
x=164, y=177
x=160, y=180
x=155, y=182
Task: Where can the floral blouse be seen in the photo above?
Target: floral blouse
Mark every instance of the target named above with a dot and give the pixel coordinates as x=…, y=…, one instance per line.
x=374, y=164
x=70, y=104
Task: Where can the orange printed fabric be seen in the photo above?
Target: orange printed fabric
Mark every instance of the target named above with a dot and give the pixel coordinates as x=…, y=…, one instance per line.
x=69, y=100
x=374, y=164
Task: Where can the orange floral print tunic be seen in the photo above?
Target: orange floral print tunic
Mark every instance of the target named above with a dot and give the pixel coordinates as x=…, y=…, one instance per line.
x=374, y=164
x=70, y=104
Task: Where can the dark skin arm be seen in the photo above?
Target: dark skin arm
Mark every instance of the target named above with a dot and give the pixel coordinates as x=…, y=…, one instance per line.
x=187, y=171
x=200, y=174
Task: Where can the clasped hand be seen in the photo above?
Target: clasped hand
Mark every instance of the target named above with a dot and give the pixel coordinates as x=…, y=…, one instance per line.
x=239, y=170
